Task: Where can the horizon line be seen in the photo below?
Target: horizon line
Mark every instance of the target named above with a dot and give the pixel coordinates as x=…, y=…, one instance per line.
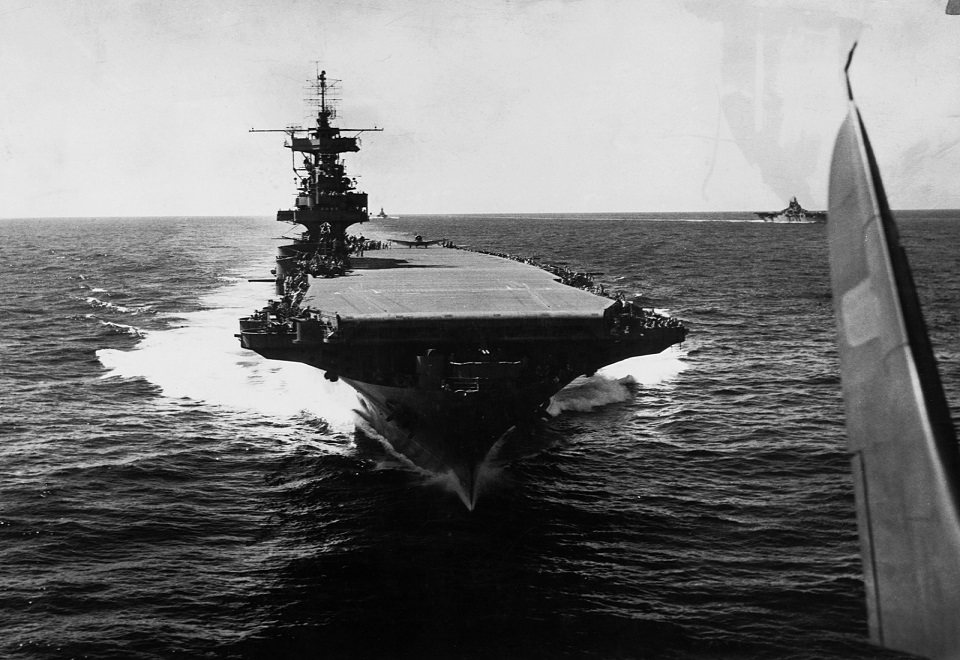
x=419, y=215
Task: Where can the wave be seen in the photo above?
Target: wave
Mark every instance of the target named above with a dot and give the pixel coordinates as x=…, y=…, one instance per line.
x=122, y=329
x=618, y=382
x=391, y=459
x=660, y=368
x=589, y=392
x=105, y=304
x=96, y=302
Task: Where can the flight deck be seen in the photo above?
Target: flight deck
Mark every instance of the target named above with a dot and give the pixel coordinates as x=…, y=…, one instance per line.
x=440, y=283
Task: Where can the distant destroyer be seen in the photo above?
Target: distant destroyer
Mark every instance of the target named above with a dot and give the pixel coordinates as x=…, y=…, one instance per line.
x=448, y=349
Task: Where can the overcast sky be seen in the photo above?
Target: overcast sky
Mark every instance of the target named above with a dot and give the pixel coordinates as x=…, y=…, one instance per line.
x=119, y=107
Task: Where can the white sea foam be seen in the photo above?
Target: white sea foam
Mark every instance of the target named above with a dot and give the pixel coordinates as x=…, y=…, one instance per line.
x=121, y=327
x=200, y=359
x=486, y=476
x=96, y=302
x=446, y=480
x=449, y=482
x=106, y=304
x=589, y=392
x=649, y=369
x=615, y=383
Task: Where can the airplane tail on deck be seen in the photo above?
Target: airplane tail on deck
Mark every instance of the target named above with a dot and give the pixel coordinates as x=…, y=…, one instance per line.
x=906, y=463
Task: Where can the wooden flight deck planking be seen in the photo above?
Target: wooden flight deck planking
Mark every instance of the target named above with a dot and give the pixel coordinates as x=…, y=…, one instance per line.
x=447, y=283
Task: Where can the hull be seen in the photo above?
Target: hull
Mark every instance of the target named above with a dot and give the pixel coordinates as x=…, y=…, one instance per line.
x=450, y=349
x=797, y=219
x=443, y=387
x=443, y=431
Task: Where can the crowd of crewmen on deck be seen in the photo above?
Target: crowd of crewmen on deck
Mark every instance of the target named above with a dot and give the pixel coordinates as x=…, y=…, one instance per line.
x=331, y=259
x=620, y=314
x=624, y=316
x=566, y=276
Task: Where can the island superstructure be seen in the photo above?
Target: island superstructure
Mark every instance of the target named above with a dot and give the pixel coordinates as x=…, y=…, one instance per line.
x=327, y=201
x=449, y=349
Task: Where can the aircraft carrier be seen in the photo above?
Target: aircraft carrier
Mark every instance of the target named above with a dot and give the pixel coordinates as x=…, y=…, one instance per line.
x=448, y=348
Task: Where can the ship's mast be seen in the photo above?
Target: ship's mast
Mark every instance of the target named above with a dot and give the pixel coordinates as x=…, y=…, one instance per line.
x=322, y=79
x=327, y=201
x=327, y=163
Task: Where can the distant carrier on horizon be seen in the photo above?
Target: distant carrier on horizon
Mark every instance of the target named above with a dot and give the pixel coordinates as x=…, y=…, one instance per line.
x=793, y=213
x=448, y=349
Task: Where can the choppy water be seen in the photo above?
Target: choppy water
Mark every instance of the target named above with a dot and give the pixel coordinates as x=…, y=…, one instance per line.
x=166, y=494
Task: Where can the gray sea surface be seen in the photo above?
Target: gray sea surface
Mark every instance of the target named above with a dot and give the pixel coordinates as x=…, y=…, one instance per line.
x=166, y=494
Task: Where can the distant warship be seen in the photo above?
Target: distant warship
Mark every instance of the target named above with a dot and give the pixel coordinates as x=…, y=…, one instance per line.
x=793, y=213
x=449, y=349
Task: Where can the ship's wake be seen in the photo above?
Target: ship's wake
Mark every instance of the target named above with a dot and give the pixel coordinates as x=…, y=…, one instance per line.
x=485, y=474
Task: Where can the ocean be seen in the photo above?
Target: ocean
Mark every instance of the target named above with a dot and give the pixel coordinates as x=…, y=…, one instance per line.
x=166, y=494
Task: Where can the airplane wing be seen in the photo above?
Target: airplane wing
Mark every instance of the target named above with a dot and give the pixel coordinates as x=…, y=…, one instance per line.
x=905, y=460
x=416, y=243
